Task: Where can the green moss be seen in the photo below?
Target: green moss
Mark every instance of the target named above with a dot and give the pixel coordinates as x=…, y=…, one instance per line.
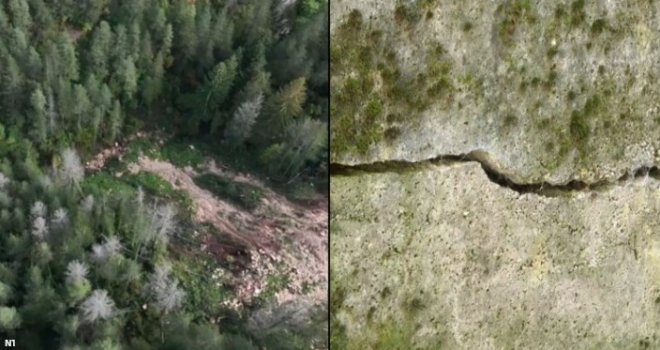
x=598, y=26
x=510, y=120
x=571, y=95
x=513, y=14
x=577, y=14
x=386, y=292
x=373, y=110
x=466, y=26
x=392, y=133
x=579, y=124
x=354, y=21
x=394, y=336
x=402, y=14
x=413, y=306
x=363, y=53
x=551, y=79
x=579, y=127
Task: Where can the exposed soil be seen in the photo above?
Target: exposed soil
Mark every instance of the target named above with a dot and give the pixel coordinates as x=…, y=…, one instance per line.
x=278, y=237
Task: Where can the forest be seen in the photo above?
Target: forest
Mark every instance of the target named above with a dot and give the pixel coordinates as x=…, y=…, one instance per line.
x=93, y=260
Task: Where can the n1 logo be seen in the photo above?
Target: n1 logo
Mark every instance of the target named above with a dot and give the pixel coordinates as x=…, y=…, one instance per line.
x=10, y=343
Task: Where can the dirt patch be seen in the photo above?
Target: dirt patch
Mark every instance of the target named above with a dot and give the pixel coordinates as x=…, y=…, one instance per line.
x=281, y=236
x=277, y=237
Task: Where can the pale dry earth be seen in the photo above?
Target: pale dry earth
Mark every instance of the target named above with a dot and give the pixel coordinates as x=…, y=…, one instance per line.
x=464, y=263
x=517, y=80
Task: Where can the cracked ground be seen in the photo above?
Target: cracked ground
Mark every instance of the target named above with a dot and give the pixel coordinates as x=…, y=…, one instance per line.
x=494, y=175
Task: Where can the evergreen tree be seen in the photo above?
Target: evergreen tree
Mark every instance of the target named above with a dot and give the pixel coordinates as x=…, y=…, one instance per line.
x=222, y=79
x=42, y=14
x=81, y=106
x=205, y=41
x=89, y=12
x=12, y=79
x=67, y=58
x=33, y=65
x=240, y=127
x=288, y=102
x=127, y=77
x=183, y=19
x=102, y=40
x=20, y=13
x=134, y=38
x=65, y=100
x=38, y=103
x=115, y=120
x=223, y=34
x=120, y=46
x=51, y=111
x=153, y=84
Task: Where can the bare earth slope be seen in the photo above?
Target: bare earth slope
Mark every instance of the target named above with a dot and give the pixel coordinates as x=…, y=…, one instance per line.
x=278, y=231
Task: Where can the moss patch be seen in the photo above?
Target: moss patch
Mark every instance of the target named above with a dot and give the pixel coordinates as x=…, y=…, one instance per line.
x=512, y=15
x=369, y=82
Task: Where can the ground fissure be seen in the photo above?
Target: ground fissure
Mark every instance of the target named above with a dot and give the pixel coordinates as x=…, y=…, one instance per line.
x=495, y=174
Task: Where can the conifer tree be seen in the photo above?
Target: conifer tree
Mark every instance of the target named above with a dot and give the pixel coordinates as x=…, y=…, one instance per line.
x=99, y=49
x=222, y=79
x=68, y=61
x=82, y=105
x=127, y=77
x=20, y=13
x=115, y=120
x=38, y=103
x=240, y=127
x=223, y=33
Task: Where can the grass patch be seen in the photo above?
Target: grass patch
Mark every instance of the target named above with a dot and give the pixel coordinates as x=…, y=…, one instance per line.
x=157, y=186
x=152, y=183
x=177, y=152
x=276, y=282
x=301, y=193
x=201, y=290
x=103, y=183
x=139, y=146
x=241, y=194
x=182, y=154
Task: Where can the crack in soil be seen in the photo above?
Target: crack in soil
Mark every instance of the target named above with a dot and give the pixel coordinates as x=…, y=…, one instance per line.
x=494, y=174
